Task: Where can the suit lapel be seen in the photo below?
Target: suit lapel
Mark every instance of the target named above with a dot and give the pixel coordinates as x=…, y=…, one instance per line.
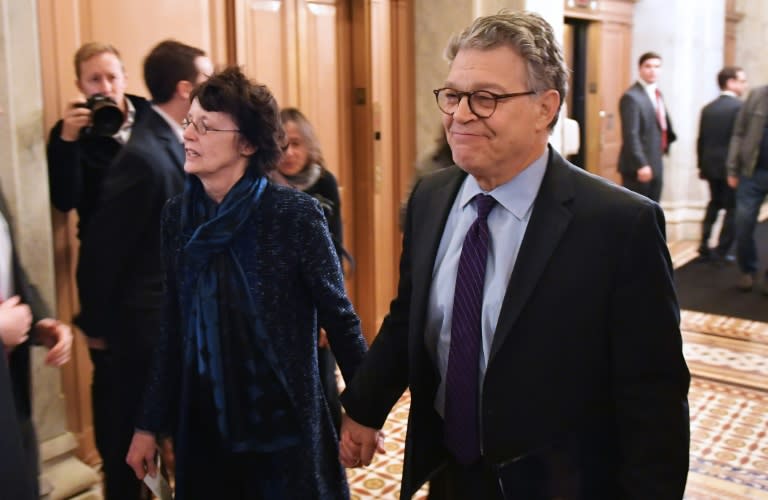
x=426, y=234
x=549, y=220
x=169, y=139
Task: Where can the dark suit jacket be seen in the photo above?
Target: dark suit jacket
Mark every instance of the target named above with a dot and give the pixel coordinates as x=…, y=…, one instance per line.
x=17, y=480
x=19, y=362
x=715, y=129
x=585, y=394
x=76, y=169
x=120, y=273
x=641, y=133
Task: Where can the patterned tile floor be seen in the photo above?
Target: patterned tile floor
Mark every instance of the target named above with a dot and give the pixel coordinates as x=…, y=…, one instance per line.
x=728, y=358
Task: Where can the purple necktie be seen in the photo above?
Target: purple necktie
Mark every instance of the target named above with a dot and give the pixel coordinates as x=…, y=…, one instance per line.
x=461, y=378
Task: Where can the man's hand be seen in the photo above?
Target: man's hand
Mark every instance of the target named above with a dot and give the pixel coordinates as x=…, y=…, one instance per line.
x=15, y=322
x=141, y=454
x=645, y=173
x=322, y=339
x=57, y=337
x=733, y=181
x=75, y=118
x=358, y=443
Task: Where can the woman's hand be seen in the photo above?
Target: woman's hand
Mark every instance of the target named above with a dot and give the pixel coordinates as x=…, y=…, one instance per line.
x=141, y=454
x=15, y=322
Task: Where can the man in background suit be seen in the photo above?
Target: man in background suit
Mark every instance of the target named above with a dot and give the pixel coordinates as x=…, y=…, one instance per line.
x=715, y=128
x=646, y=131
x=553, y=367
x=121, y=292
x=24, y=320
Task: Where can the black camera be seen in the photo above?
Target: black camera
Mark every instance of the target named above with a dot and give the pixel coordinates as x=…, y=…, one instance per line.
x=106, y=117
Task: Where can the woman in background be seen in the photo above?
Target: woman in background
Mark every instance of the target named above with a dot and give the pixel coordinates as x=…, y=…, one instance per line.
x=303, y=167
x=249, y=266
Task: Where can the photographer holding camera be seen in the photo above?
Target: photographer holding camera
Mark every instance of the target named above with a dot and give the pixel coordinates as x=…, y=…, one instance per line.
x=81, y=148
x=92, y=131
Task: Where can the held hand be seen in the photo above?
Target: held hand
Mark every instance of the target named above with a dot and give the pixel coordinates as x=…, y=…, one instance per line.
x=733, y=181
x=645, y=173
x=57, y=337
x=358, y=443
x=75, y=118
x=141, y=454
x=322, y=339
x=15, y=322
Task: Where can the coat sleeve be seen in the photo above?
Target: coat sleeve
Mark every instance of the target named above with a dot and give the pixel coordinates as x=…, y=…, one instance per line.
x=650, y=378
x=127, y=209
x=733, y=164
x=321, y=269
x=65, y=177
x=629, y=111
x=369, y=398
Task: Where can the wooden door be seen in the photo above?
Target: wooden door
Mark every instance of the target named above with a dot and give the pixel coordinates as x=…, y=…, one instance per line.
x=611, y=72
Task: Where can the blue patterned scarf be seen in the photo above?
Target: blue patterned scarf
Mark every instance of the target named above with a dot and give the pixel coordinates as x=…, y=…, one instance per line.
x=231, y=350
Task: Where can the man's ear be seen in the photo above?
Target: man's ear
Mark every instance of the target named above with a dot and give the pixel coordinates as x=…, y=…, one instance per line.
x=549, y=105
x=80, y=87
x=184, y=89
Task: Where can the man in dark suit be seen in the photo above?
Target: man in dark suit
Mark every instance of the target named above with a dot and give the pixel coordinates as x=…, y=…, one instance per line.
x=24, y=320
x=715, y=128
x=646, y=131
x=78, y=153
x=120, y=288
x=536, y=322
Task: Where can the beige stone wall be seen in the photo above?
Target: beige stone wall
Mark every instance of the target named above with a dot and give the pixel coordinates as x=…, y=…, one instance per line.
x=434, y=21
x=751, y=39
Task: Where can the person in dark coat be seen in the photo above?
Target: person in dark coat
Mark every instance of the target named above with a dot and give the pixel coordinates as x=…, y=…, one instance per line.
x=121, y=279
x=302, y=167
x=251, y=273
x=24, y=320
x=715, y=129
x=535, y=323
x=646, y=130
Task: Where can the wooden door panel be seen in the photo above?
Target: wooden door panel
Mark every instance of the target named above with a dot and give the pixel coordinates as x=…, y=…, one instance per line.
x=320, y=92
x=615, y=54
x=264, y=44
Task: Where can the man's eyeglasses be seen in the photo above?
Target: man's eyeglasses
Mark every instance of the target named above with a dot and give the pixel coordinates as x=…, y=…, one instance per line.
x=201, y=128
x=482, y=103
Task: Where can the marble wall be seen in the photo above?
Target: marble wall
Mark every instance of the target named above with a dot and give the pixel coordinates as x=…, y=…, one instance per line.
x=24, y=180
x=751, y=40
x=690, y=41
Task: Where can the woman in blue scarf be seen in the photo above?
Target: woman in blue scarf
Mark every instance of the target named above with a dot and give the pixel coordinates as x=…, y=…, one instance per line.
x=251, y=274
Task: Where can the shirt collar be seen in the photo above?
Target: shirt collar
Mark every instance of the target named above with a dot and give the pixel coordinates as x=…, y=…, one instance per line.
x=729, y=92
x=124, y=133
x=518, y=194
x=175, y=126
x=649, y=87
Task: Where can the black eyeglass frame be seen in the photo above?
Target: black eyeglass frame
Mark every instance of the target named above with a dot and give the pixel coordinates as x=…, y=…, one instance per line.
x=186, y=122
x=496, y=98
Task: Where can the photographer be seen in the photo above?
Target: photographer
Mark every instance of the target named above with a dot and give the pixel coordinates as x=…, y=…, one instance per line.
x=78, y=153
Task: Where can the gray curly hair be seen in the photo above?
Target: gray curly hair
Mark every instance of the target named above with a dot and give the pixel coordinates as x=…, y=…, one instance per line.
x=530, y=36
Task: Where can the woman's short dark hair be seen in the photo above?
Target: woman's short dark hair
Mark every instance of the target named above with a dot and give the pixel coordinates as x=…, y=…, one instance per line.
x=252, y=107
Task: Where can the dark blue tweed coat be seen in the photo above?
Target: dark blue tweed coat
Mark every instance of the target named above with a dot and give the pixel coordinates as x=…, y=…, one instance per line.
x=295, y=277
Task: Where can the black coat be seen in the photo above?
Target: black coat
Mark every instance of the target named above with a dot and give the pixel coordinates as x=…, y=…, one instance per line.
x=641, y=133
x=76, y=170
x=17, y=479
x=715, y=130
x=120, y=272
x=585, y=390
